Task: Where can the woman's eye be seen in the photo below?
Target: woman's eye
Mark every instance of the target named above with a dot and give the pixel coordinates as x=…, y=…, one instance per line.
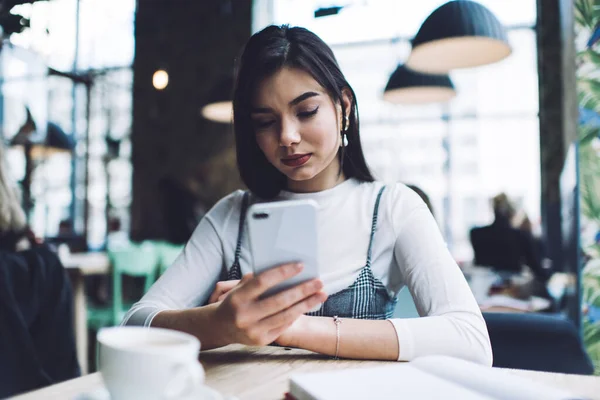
x=262, y=124
x=308, y=114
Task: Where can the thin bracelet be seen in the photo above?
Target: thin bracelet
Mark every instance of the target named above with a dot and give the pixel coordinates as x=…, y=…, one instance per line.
x=337, y=321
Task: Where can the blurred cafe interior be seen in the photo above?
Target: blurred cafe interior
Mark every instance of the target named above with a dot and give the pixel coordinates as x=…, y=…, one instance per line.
x=116, y=130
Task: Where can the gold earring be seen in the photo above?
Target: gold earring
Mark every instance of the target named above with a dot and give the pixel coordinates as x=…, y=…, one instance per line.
x=347, y=123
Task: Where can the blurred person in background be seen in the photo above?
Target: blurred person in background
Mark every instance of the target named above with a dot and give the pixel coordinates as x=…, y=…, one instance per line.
x=524, y=224
x=14, y=232
x=37, y=345
x=503, y=247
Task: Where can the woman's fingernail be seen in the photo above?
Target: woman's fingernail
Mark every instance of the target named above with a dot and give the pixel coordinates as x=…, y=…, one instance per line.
x=298, y=266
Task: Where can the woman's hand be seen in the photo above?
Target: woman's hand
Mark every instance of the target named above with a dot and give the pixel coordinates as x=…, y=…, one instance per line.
x=221, y=290
x=244, y=317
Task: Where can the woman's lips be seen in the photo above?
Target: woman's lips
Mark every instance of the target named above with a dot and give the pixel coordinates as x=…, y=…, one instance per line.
x=297, y=160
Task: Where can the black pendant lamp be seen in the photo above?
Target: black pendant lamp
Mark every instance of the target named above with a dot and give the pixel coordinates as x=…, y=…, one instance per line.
x=220, y=105
x=459, y=34
x=55, y=140
x=411, y=87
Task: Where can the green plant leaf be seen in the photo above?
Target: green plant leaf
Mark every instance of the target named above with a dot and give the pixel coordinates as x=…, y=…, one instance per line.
x=587, y=133
x=592, y=268
x=591, y=340
x=589, y=182
x=584, y=13
x=591, y=292
x=589, y=203
x=591, y=334
x=588, y=91
x=590, y=283
x=593, y=250
x=588, y=56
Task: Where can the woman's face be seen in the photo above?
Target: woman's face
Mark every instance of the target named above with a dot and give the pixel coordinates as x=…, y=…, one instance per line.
x=297, y=127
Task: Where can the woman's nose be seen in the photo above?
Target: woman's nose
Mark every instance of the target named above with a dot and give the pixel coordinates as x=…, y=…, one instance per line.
x=289, y=134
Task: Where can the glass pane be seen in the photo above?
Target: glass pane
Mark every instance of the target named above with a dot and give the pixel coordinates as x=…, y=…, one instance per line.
x=506, y=87
x=484, y=141
x=104, y=50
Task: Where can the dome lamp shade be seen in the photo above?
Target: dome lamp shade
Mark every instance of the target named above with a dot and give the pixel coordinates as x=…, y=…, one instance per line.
x=220, y=105
x=458, y=34
x=406, y=86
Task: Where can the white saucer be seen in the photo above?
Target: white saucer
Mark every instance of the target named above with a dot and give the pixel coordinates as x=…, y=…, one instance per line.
x=202, y=393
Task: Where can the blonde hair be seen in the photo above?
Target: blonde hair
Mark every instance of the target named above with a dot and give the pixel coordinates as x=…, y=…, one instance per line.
x=12, y=216
x=503, y=206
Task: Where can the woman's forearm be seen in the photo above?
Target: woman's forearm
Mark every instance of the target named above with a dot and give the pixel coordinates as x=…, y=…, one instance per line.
x=359, y=339
x=200, y=322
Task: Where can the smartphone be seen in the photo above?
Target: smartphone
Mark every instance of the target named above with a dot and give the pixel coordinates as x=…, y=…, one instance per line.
x=284, y=232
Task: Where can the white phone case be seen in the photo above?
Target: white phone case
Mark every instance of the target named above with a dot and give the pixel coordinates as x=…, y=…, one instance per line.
x=283, y=232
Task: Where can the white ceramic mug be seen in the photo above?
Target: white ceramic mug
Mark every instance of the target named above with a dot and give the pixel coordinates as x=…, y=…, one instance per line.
x=149, y=363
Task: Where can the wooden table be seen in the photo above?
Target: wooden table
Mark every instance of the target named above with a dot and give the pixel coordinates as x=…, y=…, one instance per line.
x=79, y=265
x=261, y=373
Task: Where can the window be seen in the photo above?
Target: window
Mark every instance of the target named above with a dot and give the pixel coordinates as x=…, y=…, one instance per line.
x=104, y=56
x=483, y=142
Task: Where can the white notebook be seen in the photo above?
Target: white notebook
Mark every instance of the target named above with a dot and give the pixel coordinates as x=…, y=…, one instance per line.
x=431, y=377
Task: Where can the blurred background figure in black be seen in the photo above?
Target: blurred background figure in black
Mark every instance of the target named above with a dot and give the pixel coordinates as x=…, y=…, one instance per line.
x=37, y=343
x=505, y=248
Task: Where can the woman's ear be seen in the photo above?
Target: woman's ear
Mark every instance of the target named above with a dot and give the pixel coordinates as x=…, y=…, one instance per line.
x=347, y=101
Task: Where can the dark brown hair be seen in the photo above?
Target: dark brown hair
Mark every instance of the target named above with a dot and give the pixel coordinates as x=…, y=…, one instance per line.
x=265, y=53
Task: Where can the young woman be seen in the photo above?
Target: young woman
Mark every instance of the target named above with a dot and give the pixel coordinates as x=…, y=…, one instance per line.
x=297, y=137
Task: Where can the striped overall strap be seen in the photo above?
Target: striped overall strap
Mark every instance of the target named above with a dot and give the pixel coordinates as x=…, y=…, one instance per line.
x=235, y=271
x=366, y=284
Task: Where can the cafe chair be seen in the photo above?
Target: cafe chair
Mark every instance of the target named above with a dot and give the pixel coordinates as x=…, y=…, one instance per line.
x=538, y=342
x=131, y=259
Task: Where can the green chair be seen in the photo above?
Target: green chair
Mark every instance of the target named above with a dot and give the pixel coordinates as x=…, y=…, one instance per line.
x=132, y=259
x=167, y=253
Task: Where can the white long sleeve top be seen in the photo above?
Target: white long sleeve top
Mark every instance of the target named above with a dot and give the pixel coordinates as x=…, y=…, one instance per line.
x=408, y=250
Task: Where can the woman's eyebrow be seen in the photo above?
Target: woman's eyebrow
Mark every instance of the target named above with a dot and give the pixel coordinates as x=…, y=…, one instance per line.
x=296, y=101
x=303, y=97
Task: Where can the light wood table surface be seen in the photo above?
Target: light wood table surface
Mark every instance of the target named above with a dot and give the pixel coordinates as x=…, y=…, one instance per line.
x=79, y=265
x=262, y=373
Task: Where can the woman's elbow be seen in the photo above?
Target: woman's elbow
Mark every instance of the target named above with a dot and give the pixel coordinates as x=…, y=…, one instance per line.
x=482, y=348
x=485, y=355
x=476, y=340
